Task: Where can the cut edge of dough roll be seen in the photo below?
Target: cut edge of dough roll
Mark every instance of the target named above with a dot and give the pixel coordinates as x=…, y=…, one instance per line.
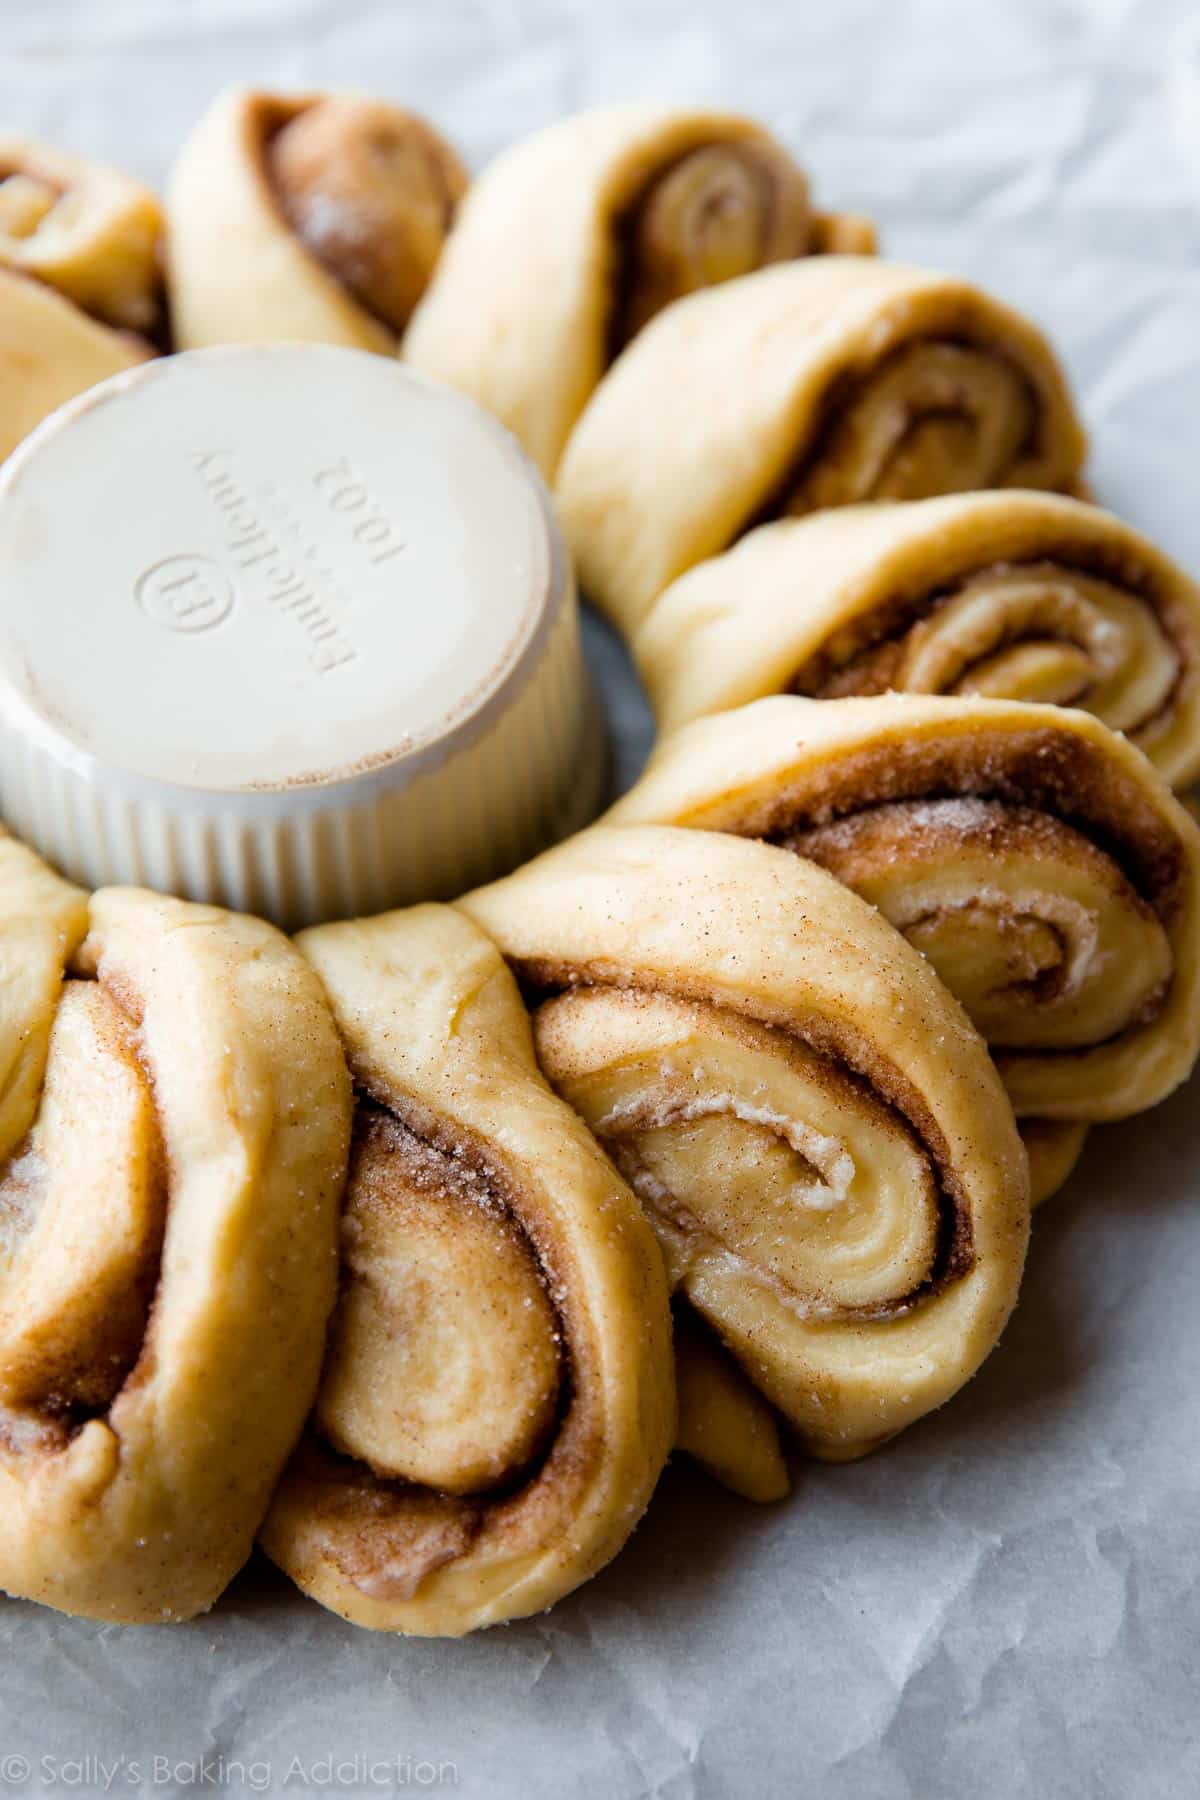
x=783, y=765
x=695, y=430
x=142, y=1509
x=90, y=232
x=686, y=961
x=238, y=273
x=518, y=313
x=437, y=1036
x=812, y=593
x=80, y=279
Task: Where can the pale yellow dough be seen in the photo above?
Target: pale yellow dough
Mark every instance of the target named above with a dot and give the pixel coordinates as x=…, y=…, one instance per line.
x=238, y=272
x=520, y=313
x=1020, y=596
x=484, y=1232
x=725, y=1425
x=814, y=1127
x=90, y=232
x=813, y=384
x=49, y=352
x=80, y=280
x=1035, y=857
x=173, y=1140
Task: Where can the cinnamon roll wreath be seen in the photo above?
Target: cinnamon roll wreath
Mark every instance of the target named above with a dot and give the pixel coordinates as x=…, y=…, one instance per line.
x=570, y=242
x=498, y=1397
x=1033, y=856
x=1018, y=596
x=815, y=1129
x=813, y=384
x=317, y=218
x=81, y=286
x=174, y=1121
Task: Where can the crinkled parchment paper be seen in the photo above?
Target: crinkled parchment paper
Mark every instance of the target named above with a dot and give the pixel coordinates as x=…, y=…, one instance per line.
x=1005, y=1601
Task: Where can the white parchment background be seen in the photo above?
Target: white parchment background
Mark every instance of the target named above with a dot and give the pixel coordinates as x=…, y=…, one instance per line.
x=1004, y=1602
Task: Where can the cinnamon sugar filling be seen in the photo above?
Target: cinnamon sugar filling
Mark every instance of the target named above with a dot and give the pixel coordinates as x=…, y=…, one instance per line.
x=1004, y=955
x=1038, y=792
x=864, y=655
x=844, y=1061
x=711, y=213
x=81, y=1331
x=383, y=1531
x=1038, y=770
x=370, y=191
x=854, y=395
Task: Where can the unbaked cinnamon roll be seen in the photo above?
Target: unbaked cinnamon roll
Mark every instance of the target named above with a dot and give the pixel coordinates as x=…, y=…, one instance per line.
x=1034, y=857
x=173, y=1138
x=814, y=384
x=815, y=1129
x=573, y=240
x=1020, y=596
x=317, y=217
x=81, y=293
x=498, y=1397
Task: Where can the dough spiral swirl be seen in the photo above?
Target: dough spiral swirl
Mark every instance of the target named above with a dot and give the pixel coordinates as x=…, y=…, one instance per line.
x=814, y=384
x=1033, y=856
x=318, y=218
x=1016, y=596
x=498, y=1399
x=81, y=285
x=817, y=1133
x=173, y=1137
x=573, y=240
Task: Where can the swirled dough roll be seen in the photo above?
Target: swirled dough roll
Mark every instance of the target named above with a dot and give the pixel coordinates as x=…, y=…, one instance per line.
x=571, y=241
x=80, y=279
x=173, y=1136
x=814, y=384
x=1035, y=857
x=316, y=217
x=815, y=1129
x=1020, y=596
x=498, y=1397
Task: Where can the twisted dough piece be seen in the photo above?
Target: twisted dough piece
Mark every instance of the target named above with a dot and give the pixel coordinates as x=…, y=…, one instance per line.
x=814, y=384
x=1036, y=858
x=173, y=1131
x=318, y=218
x=571, y=241
x=498, y=1398
x=80, y=279
x=820, y=1139
x=1020, y=596
x=724, y=1424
